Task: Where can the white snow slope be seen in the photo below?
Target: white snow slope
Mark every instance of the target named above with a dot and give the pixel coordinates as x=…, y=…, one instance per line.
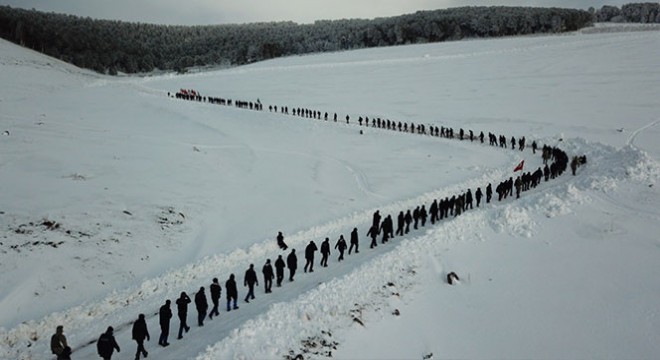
x=115, y=197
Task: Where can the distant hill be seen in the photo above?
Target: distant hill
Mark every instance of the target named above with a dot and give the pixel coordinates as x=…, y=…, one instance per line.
x=114, y=46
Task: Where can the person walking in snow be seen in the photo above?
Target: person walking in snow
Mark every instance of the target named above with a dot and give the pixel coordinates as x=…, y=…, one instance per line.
x=216, y=292
x=423, y=214
x=400, y=222
x=384, y=229
x=280, y=241
x=354, y=241
x=182, y=311
x=376, y=219
x=250, y=280
x=164, y=316
x=408, y=218
x=279, y=270
x=468, y=200
x=478, y=195
x=106, y=344
x=202, y=306
x=267, y=270
x=309, y=256
x=373, y=232
x=58, y=345
x=232, y=292
x=292, y=263
x=433, y=211
x=140, y=333
x=341, y=246
x=325, y=252
x=415, y=215
x=390, y=226
x=489, y=193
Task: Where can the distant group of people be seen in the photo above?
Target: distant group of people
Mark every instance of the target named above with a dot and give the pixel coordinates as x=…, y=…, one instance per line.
x=555, y=163
x=192, y=95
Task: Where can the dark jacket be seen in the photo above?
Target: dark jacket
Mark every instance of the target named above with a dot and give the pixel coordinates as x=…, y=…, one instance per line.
x=230, y=288
x=165, y=314
x=58, y=343
x=200, y=301
x=140, y=331
x=309, y=250
x=182, y=304
x=267, y=270
x=250, y=277
x=279, y=264
x=216, y=291
x=292, y=261
x=106, y=345
x=325, y=247
x=354, y=236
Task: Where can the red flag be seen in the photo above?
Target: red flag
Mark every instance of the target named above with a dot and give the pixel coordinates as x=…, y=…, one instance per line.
x=520, y=166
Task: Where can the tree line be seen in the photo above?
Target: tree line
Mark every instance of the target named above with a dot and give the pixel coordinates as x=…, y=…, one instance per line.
x=108, y=46
x=630, y=13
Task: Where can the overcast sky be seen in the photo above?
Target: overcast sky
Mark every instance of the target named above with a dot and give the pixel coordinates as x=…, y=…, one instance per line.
x=203, y=12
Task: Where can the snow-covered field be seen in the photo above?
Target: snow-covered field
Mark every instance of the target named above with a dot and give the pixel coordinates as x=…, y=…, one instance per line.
x=114, y=197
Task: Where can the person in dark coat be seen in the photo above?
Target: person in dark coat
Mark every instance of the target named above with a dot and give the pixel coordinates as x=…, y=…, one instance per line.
x=292, y=263
x=58, y=345
x=232, y=292
x=376, y=219
x=140, y=333
x=373, y=232
x=202, y=306
x=354, y=241
x=433, y=211
x=216, y=292
x=408, y=219
x=423, y=214
x=341, y=246
x=107, y=344
x=250, y=280
x=164, y=316
x=325, y=252
x=279, y=270
x=390, y=226
x=468, y=200
x=415, y=215
x=309, y=256
x=400, y=222
x=280, y=241
x=489, y=193
x=384, y=229
x=478, y=194
x=182, y=310
x=267, y=270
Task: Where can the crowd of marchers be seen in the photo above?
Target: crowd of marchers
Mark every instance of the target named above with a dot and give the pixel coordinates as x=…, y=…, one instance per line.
x=555, y=162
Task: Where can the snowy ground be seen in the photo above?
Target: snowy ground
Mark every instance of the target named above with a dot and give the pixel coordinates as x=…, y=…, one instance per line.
x=154, y=196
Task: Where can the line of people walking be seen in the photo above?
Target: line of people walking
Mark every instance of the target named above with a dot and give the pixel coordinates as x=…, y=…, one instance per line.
x=377, y=122
x=381, y=226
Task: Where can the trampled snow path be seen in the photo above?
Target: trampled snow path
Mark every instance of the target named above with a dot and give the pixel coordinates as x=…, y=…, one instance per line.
x=633, y=136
